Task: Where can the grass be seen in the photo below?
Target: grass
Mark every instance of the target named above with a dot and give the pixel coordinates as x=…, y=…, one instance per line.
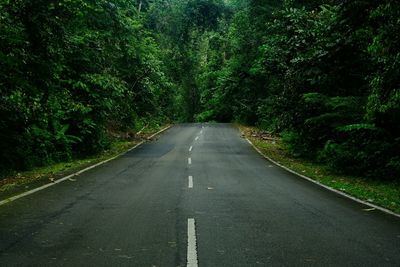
x=382, y=193
x=23, y=181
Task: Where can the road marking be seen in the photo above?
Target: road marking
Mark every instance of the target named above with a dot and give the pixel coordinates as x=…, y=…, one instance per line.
x=190, y=182
x=324, y=186
x=27, y=193
x=190, y=149
x=191, y=248
x=157, y=133
x=201, y=131
x=189, y=161
x=197, y=138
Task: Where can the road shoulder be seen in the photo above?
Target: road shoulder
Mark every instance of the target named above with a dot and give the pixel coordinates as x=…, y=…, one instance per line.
x=26, y=183
x=377, y=195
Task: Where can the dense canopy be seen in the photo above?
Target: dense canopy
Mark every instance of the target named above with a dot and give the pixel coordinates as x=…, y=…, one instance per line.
x=322, y=74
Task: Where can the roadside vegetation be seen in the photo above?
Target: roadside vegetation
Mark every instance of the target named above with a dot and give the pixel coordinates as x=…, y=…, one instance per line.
x=72, y=74
x=321, y=75
x=324, y=75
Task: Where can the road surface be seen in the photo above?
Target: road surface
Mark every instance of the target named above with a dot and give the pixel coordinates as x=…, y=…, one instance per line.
x=198, y=196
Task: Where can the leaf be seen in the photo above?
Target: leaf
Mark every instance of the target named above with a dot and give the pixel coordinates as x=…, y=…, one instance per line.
x=369, y=209
x=359, y=126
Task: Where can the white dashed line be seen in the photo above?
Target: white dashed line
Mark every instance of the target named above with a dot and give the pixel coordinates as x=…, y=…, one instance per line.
x=197, y=138
x=190, y=149
x=189, y=161
x=190, y=185
x=191, y=248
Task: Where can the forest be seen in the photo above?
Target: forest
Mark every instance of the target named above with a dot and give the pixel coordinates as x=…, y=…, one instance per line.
x=323, y=75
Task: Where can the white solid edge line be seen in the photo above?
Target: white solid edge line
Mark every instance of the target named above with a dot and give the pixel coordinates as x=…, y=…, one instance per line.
x=189, y=161
x=10, y=199
x=325, y=186
x=190, y=182
x=190, y=149
x=160, y=131
x=191, y=246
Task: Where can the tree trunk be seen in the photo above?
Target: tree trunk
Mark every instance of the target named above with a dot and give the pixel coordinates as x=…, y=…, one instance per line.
x=140, y=5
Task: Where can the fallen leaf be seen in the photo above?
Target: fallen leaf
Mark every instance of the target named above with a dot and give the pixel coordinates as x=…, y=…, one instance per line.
x=309, y=260
x=369, y=209
x=124, y=257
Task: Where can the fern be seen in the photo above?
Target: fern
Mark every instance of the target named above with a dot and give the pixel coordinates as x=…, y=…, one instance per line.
x=356, y=127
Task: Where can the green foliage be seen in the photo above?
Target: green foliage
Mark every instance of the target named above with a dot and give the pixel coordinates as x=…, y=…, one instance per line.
x=191, y=31
x=324, y=74
x=69, y=72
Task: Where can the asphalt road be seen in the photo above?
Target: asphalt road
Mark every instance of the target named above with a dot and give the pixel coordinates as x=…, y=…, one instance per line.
x=235, y=209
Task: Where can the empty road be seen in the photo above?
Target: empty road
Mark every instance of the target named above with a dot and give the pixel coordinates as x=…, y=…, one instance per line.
x=199, y=195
